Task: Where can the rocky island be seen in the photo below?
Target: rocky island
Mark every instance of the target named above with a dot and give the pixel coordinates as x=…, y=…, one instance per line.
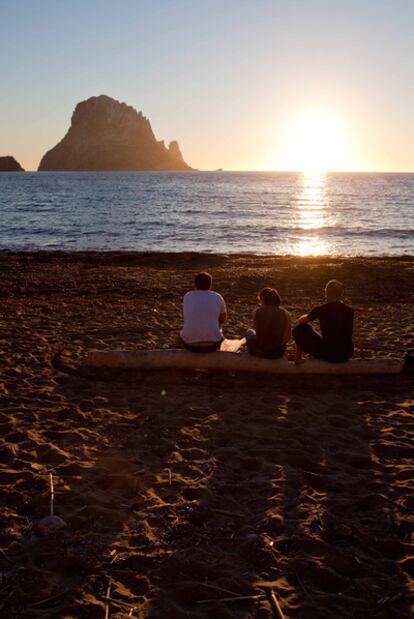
x=9, y=164
x=106, y=135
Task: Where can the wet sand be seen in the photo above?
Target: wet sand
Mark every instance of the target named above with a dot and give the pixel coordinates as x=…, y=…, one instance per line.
x=193, y=494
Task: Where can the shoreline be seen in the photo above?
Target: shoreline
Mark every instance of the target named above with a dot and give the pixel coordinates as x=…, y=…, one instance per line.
x=85, y=253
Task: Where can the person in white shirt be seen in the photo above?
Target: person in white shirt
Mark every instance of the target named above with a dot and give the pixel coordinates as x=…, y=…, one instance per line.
x=204, y=312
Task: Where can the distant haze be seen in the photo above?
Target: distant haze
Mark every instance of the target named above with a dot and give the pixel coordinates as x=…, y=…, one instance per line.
x=231, y=80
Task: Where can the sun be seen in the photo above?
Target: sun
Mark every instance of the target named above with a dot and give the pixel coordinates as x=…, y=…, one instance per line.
x=315, y=142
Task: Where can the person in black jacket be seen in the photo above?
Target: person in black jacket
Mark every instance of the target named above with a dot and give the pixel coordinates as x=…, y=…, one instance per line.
x=336, y=322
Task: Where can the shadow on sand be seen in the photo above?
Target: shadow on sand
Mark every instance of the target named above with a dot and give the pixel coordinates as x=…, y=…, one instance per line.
x=187, y=489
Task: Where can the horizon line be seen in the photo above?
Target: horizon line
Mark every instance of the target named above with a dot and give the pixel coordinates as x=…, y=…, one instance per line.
x=219, y=170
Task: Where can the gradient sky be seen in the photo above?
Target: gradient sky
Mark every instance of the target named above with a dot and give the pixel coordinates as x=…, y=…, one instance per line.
x=223, y=77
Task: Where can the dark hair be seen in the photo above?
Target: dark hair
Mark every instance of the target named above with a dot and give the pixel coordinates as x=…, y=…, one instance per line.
x=269, y=296
x=203, y=281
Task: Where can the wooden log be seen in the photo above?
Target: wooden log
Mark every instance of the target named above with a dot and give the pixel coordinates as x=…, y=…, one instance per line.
x=178, y=359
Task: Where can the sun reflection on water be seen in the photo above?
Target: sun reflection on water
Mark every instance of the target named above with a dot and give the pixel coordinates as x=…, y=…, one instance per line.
x=312, y=247
x=312, y=216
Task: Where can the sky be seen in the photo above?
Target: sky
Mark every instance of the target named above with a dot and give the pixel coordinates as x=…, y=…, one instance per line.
x=241, y=84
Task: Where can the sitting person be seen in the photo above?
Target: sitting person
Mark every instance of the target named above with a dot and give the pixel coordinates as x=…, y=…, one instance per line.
x=204, y=313
x=272, y=327
x=336, y=322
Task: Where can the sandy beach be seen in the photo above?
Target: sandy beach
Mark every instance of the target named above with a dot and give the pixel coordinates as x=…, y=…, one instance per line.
x=192, y=495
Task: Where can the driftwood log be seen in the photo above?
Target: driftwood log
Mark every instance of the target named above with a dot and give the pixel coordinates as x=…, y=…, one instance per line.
x=178, y=359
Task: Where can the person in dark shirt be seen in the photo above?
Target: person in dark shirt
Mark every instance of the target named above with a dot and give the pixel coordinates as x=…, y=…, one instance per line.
x=336, y=322
x=272, y=327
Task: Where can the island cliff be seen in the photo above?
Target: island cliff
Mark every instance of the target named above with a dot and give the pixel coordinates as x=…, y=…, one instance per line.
x=9, y=164
x=108, y=135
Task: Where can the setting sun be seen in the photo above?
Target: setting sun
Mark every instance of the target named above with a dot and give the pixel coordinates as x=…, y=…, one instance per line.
x=315, y=142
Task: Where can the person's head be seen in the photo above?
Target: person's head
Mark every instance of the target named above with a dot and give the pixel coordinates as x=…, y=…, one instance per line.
x=334, y=290
x=203, y=281
x=269, y=296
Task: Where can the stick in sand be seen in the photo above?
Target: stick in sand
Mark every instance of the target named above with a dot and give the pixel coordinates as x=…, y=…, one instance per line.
x=239, y=598
x=215, y=588
x=274, y=602
x=52, y=494
x=108, y=595
x=121, y=603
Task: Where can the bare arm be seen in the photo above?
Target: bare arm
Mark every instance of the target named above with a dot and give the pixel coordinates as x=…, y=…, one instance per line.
x=223, y=312
x=254, y=318
x=287, y=336
x=303, y=319
x=223, y=317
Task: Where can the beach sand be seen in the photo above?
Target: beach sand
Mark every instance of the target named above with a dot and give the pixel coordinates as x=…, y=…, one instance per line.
x=185, y=491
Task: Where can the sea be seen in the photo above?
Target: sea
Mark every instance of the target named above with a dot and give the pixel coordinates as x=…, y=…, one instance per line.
x=263, y=213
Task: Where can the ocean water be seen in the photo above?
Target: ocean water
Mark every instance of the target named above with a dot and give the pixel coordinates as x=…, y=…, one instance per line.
x=227, y=212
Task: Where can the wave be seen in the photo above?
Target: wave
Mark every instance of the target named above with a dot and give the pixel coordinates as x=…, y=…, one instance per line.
x=343, y=231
